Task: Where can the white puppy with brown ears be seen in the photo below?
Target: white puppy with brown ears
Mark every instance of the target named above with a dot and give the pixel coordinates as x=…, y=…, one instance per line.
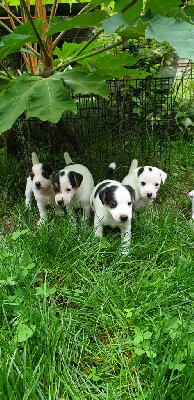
x=39, y=184
x=145, y=181
x=191, y=196
x=112, y=205
x=73, y=186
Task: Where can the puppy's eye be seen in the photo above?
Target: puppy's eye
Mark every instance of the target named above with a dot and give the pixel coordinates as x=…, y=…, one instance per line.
x=45, y=175
x=113, y=204
x=32, y=176
x=129, y=203
x=156, y=184
x=143, y=183
x=68, y=190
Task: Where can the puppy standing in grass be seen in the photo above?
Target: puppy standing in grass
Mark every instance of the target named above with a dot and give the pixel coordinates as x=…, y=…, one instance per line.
x=73, y=186
x=145, y=181
x=39, y=184
x=191, y=196
x=112, y=205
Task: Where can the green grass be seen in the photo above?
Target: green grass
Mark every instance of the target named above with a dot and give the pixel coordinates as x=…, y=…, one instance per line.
x=79, y=320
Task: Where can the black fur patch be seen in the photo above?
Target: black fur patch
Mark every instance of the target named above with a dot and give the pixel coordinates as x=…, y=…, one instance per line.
x=140, y=170
x=56, y=182
x=109, y=173
x=75, y=179
x=108, y=195
x=47, y=170
x=100, y=187
x=150, y=169
x=131, y=191
x=62, y=173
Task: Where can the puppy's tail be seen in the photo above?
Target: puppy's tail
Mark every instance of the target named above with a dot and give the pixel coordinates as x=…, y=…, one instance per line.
x=110, y=170
x=67, y=158
x=134, y=164
x=35, y=159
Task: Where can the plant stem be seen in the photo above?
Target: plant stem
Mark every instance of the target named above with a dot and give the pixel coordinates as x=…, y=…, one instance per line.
x=89, y=41
x=11, y=15
x=6, y=72
x=42, y=46
x=74, y=60
x=129, y=5
x=54, y=8
x=5, y=27
x=57, y=40
x=26, y=44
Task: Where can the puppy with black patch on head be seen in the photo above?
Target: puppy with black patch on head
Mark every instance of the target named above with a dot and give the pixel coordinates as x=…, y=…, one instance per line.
x=73, y=186
x=39, y=184
x=112, y=205
x=191, y=196
x=145, y=181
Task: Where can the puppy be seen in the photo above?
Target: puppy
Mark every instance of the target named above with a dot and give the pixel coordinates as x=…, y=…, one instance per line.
x=73, y=186
x=145, y=181
x=191, y=196
x=112, y=205
x=39, y=184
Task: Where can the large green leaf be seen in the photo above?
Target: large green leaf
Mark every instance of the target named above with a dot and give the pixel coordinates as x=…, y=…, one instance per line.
x=81, y=82
x=50, y=99
x=178, y=33
x=132, y=12
x=111, y=24
x=134, y=32
x=70, y=49
x=163, y=7
x=14, y=100
x=119, y=73
x=13, y=42
x=79, y=21
x=46, y=99
x=26, y=29
x=109, y=61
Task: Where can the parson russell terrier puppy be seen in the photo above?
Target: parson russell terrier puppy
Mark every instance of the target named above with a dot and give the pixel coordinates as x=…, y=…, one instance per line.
x=145, y=181
x=73, y=186
x=191, y=196
x=112, y=205
x=39, y=184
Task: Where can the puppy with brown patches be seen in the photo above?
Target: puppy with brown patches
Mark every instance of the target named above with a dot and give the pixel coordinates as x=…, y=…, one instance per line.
x=39, y=184
x=145, y=181
x=73, y=186
x=112, y=205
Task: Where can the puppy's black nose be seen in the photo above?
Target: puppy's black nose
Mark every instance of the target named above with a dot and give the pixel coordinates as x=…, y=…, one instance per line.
x=60, y=202
x=149, y=194
x=123, y=218
x=37, y=184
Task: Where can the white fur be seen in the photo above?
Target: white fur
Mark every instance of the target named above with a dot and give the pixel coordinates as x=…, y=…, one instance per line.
x=146, y=192
x=76, y=197
x=105, y=215
x=191, y=196
x=40, y=187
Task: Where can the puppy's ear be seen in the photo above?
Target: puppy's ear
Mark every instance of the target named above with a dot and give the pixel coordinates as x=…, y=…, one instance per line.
x=75, y=179
x=131, y=191
x=138, y=171
x=190, y=194
x=102, y=195
x=56, y=182
x=163, y=175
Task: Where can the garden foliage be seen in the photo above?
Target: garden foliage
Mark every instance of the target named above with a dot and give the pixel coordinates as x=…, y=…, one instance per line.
x=45, y=90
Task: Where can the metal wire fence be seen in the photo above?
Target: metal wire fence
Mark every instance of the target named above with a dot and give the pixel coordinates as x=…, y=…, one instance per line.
x=136, y=122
